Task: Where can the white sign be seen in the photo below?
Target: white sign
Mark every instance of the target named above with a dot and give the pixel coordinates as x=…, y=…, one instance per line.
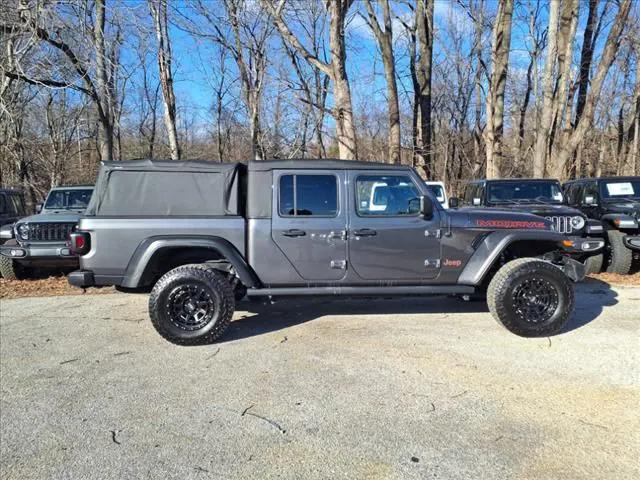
x=623, y=188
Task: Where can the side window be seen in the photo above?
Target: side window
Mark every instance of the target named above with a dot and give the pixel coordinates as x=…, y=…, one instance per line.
x=308, y=195
x=590, y=190
x=18, y=204
x=3, y=203
x=567, y=190
x=468, y=193
x=390, y=195
x=477, y=193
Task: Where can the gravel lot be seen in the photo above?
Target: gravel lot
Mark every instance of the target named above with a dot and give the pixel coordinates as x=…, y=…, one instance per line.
x=406, y=388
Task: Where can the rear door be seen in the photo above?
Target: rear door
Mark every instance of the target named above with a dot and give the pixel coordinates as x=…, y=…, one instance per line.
x=309, y=222
x=388, y=239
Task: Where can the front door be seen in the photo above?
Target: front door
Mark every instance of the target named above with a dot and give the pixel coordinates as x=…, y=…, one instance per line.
x=309, y=222
x=388, y=239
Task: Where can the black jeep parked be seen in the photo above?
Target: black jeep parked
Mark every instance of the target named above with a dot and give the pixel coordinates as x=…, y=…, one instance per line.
x=615, y=201
x=542, y=197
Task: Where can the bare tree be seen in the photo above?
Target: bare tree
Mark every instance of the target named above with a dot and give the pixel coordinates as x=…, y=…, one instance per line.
x=566, y=150
x=246, y=40
x=158, y=10
x=384, y=37
x=336, y=69
x=96, y=79
x=500, y=44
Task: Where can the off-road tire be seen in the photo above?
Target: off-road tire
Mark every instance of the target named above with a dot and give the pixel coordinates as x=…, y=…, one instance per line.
x=12, y=270
x=620, y=258
x=594, y=264
x=512, y=277
x=212, y=284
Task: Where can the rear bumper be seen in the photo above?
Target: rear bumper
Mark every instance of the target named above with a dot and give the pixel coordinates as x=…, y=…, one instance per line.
x=632, y=242
x=81, y=279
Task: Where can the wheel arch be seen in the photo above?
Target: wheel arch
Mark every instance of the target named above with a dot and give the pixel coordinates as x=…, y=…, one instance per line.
x=157, y=255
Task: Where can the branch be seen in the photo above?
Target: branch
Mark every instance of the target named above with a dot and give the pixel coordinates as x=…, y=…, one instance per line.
x=286, y=33
x=44, y=82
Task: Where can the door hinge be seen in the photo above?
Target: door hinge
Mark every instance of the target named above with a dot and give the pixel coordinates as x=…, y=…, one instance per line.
x=339, y=264
x=433, y=233
x=432, y=263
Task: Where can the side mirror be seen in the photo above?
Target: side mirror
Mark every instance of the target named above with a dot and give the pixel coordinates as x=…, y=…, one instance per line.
x=6, y=232
x=426, y=207
x=589, y=200
x=38, y=208
x=454, y=202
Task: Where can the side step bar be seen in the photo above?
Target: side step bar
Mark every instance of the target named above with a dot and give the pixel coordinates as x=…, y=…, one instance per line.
x=364, y=291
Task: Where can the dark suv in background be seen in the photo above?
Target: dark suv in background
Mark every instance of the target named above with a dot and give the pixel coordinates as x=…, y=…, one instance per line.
x=542, y=197
x=12, y=206
x=40, y=240
x=615, y=201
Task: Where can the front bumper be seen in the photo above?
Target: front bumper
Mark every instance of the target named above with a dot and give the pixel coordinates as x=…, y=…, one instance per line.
x=40, y=254
x=632, y=242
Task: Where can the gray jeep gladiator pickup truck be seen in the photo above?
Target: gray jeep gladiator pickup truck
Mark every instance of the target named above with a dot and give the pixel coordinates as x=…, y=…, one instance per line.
x=203, y=235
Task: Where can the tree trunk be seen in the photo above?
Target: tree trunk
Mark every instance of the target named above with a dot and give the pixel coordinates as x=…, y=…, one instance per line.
x=586, y=56
x=546, y=118
x=478, y=154
x=346, y=132
x=103, y=102
x=159, y=12
x=561, y=101
x=385, y=42
x=501, y=42
x=424, y=67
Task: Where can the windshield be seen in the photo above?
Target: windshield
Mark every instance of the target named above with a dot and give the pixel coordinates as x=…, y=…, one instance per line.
x=68, y=199
x=524, y=192
x=438, y=191
x=619, y=189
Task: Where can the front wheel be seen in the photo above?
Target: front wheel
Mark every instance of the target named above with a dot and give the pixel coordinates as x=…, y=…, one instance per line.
x=12, y=270
x=531, y=297
x=191, y=305
x=620, y=257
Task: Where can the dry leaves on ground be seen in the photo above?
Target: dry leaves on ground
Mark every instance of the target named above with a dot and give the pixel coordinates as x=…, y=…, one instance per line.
x=43, y=287
x=616, y=279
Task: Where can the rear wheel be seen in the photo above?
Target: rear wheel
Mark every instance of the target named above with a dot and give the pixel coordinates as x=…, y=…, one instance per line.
x=620, y=257
x=191, y=305
x=531, y=297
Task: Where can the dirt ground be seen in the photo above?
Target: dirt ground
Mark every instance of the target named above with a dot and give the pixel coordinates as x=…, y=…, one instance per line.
x=412, y=388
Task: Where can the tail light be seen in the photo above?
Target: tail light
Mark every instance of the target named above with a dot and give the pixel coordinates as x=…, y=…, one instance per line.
x=80, y=242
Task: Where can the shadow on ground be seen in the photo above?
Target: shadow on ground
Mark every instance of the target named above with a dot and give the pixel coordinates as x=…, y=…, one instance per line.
x=283, y=313
x=592, y=296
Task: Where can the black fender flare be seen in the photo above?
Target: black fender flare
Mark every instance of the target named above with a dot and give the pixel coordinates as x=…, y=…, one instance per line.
x=494, y=244
x=150, y=246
